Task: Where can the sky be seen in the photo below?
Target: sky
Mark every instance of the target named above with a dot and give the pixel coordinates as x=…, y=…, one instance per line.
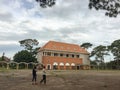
x=69, y=21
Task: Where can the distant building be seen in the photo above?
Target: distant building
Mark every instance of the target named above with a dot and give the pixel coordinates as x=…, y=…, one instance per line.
x=63, y=56
x=6, y=59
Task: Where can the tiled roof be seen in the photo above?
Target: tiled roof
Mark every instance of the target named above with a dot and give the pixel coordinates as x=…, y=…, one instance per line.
x=60, y=46
x=6, y=59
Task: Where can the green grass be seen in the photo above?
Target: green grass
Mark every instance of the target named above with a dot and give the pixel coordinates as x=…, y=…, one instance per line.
x=3, y=70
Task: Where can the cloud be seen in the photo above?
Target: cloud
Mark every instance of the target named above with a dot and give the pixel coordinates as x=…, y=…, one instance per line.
x=68, y=21
x=9, y=49
x=6, y=17
x=65, y=9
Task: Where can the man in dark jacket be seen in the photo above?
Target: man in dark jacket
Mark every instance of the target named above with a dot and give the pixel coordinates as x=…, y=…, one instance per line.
x=34, y=79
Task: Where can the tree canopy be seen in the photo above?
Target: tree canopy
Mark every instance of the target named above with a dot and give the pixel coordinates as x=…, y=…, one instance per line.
x=29, y=54
x=46, y=3
x=24, y=56
x=99, y=52
x=29, y=43
x=0, y=58
x=86, y=45
x=115, y=49
x=112, y=7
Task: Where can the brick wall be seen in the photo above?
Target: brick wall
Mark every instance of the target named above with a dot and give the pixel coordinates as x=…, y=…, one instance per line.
x=49, y=60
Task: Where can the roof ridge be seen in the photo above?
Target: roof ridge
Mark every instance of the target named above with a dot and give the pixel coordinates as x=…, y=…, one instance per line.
x=64, y=43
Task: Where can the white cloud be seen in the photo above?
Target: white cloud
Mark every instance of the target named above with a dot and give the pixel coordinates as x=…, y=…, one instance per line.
x=8, y=42
x=68, y=21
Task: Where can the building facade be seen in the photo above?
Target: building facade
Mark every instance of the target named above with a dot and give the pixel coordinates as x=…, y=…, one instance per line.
x=63, y=56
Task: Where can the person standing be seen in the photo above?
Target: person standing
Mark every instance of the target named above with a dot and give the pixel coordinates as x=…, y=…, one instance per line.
x=34, y=74
x=43, y=76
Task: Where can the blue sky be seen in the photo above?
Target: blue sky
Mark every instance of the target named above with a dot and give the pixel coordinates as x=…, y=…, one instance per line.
x=68, y=21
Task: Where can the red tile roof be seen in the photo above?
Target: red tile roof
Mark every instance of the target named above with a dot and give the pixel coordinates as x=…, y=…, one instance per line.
x=60, y=46
x=6, y=59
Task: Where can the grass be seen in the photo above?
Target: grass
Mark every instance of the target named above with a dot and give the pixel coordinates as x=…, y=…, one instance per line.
x=3, y=70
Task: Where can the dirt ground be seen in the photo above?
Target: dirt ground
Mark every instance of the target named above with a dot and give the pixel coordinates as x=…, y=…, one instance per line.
x=61, y=80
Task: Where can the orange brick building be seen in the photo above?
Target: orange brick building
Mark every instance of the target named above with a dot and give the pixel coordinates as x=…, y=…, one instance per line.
x=63, y=56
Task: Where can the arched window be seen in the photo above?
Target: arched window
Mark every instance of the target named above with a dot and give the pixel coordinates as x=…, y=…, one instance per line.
x=67, y=64
x=61, y=64
x=72, y=64
x=55, y=63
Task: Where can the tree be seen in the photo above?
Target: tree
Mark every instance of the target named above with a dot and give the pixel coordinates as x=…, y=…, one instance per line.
x=24, y=56
x=112, y=64
x=29, y=43
x=46, y=3
x=93, y=62
x=99, y=52
x=35, y=51
x=0, y=58
x=86, y=45
x=115, y=49
x=30, y=51
x=112, y=7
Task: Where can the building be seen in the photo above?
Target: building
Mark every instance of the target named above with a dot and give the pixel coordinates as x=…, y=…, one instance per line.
x=63, y=56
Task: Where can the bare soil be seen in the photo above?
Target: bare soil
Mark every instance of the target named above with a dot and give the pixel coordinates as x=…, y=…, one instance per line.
x=61, y=80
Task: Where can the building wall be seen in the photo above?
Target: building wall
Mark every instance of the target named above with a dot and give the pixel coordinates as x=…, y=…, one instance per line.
x=85, y=58
x=39, y=56
x=48, y=60
x=52, y=53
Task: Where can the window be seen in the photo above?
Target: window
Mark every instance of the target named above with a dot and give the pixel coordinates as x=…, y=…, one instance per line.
x=55, y=54
x=72, y=56
x=77, y=56
x=67, y=55
x=48, y=53
x=61, y=54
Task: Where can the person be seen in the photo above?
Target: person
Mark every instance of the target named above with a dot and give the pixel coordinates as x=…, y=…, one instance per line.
x=43, y=75
x=34, y=74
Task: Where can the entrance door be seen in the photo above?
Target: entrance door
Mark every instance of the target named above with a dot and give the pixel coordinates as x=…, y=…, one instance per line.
x=78, y=67
x=54, y=67
x=48, y=66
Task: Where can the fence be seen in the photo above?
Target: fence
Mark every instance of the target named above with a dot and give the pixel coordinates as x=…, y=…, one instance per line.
x=15, y=65
x=24, y=65
x=105, y=67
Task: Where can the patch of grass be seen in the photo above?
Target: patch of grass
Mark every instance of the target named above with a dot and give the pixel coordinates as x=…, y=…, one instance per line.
x=3, y=70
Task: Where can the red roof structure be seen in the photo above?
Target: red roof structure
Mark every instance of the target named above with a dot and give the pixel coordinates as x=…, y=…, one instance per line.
x=60, y=46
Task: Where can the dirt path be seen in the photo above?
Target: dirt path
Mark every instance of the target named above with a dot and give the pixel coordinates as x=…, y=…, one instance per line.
x=61, y=80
